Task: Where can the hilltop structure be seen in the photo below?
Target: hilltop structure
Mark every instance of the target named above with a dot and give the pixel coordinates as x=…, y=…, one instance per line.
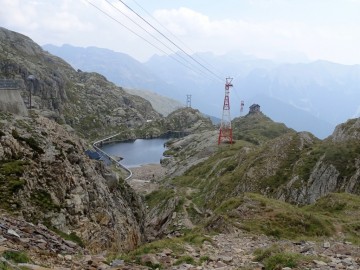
x=255, y=108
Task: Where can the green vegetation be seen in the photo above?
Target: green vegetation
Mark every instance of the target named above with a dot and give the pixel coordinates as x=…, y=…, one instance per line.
x=257, y=128
x=5, y=266
x=341, y=209
x=196, y=239
x=275, y=258
x=260, y=215
x=342, y=155
x=185, y=259
x=43, y=200
x=175, y=244
x=16, y=256
x=159, y=197
x=34, y=145
x=203, y=259
x=11, y=182
x=72, y=236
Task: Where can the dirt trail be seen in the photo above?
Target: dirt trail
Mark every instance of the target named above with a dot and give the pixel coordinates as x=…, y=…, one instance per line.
x=146, y=177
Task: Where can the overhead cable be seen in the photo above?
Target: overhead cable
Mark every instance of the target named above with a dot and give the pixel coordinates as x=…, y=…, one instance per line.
x=174, y=36
x=129, y=29
x=154, y=37
x=172, y=42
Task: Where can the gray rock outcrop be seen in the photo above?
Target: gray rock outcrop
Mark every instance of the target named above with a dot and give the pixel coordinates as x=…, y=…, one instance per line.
x=46, y=177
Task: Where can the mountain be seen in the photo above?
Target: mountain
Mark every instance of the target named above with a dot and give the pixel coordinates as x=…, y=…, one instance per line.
x=161, y=104
x=315, y=96
x=265, y=201
x=310, y=96
x=87, y=102
x=117, y=67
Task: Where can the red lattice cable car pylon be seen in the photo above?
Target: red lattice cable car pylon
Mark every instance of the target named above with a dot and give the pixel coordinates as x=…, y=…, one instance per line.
x=225, y=133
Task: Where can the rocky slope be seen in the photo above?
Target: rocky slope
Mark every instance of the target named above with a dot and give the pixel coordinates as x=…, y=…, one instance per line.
x=87, y=101
x=270, y=159
x=46, y=177
x=161, y=104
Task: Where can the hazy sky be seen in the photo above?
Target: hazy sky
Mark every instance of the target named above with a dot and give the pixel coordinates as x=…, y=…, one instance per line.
x=295, y=29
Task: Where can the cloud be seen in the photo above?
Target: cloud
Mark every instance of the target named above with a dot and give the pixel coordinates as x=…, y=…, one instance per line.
x=80, y=24
x=42, y=19
x=264, y=38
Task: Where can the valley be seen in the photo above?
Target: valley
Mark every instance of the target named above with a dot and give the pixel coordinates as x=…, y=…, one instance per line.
x=275, y=199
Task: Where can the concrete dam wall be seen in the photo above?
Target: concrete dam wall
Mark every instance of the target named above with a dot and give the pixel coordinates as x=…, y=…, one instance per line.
x=11, y=101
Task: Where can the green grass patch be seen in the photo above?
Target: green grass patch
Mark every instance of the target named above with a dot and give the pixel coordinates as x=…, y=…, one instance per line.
x=11, y=182
x=16, y=256
x=72, y=236
x=275, y=258
x=159, y=197
x=43, y=200
x=229, y=204
x=196, y=239
x=5, y=266
x=341, y=209
x=281, y=260
x=13, y=167
x=185, y=259
x=30, y=141
x=175, y=244
x=260, y=215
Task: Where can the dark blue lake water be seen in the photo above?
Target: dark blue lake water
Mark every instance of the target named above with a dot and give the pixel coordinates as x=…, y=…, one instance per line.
x=138, y=152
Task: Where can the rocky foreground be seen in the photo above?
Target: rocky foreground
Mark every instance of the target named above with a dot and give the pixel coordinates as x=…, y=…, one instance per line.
x=44, y=249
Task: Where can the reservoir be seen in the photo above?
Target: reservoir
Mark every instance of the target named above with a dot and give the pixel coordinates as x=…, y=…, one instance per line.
x=138, y=152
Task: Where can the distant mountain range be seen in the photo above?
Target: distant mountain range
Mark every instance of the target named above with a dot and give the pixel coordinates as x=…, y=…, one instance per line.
x=312, y=96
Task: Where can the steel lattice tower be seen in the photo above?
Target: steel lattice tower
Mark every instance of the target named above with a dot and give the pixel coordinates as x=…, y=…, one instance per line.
x=225, y=133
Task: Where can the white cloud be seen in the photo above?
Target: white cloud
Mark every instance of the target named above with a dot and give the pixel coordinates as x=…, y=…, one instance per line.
x=79, y=23
x=262, y=38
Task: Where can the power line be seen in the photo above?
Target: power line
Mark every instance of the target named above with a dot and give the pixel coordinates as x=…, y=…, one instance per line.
x=137, y=14
x=129, y=29
x=174, y=36
x=153, y=36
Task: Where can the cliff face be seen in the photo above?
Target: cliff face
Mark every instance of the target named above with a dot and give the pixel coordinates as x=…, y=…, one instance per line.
x=45, y=177
x=87, y=101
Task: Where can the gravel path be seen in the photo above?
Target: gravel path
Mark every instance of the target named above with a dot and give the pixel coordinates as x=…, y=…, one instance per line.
x=146, y=177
